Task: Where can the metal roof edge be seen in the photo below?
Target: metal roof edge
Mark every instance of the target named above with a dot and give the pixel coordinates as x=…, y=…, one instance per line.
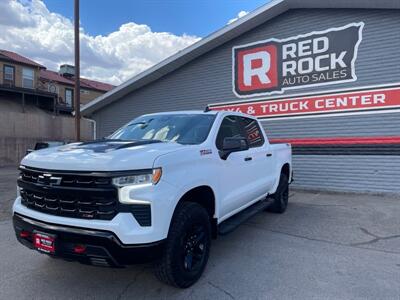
x=226, y=33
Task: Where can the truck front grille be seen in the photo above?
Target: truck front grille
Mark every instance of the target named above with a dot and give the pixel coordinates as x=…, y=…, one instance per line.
x=84, y=196
x=67, y=180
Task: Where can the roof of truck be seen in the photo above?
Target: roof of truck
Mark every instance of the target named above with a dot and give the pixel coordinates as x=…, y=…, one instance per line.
x=201, y=112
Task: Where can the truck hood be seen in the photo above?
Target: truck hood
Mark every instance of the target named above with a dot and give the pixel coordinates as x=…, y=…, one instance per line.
x=100, y=155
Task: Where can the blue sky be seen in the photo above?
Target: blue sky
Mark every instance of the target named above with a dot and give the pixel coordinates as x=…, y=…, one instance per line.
x=192, y=17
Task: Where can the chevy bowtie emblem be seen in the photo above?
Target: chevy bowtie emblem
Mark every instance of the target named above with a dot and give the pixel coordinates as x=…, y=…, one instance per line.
x=49, y=179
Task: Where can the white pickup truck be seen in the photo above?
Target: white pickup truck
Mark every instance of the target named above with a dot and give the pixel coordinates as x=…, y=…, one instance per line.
x=160, y=188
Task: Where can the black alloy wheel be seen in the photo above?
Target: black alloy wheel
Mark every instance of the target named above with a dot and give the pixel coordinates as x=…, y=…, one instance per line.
x=194, y=252
x=281, y=196
x=187, y=247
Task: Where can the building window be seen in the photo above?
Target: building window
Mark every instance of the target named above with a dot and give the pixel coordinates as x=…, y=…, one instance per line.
x=85, y=92
x=27, y=78
x=9, y=75
x=69, y=97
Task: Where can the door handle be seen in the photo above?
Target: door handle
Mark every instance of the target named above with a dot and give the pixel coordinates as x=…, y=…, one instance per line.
x=269, y=154
x=248, y=158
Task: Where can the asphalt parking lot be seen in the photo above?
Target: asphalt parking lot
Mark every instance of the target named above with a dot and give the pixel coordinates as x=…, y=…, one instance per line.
x=326, y=246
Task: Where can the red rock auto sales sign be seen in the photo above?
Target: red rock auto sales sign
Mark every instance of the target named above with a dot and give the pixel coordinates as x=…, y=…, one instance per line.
x=365, y=100
x=313, y=59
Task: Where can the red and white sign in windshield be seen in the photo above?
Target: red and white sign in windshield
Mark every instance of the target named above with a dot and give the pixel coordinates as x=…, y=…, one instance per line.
x=333, y=103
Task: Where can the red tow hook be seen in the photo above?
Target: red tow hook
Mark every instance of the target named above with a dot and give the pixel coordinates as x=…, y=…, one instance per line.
x=24, y=234
x=79, y=249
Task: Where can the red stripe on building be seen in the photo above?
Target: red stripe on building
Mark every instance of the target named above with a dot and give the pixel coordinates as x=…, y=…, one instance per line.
x=384, y=140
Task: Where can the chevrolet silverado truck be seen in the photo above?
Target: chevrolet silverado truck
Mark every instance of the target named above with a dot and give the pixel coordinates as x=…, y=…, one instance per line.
x=158, y=189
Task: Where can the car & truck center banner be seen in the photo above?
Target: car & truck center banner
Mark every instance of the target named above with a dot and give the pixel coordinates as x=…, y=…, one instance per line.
x=370, y=99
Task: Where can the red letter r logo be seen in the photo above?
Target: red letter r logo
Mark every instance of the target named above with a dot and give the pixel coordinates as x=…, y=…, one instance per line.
x=256, y=69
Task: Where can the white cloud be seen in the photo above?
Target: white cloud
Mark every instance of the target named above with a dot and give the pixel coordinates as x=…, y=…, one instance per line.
x=241, y=14
x=33, y=31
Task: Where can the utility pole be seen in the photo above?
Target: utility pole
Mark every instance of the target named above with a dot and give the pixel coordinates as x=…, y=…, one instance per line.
x=77, y=92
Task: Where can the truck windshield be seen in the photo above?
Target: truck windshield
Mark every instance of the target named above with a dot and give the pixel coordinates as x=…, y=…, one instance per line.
x=180, y=128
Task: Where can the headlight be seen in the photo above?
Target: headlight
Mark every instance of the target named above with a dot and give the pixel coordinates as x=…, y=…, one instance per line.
x=153, y=177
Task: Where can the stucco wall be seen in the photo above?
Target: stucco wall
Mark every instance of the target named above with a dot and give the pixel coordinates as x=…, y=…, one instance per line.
x=20, y=131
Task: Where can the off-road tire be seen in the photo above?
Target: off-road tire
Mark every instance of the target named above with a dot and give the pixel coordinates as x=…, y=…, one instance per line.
x=281, y=196
x=171, y=267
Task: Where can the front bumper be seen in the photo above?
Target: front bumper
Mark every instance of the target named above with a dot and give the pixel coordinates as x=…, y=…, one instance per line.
x=102, y=248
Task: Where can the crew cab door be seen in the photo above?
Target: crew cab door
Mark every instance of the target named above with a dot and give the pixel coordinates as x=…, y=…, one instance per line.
x=263, y=162
x=237, y=176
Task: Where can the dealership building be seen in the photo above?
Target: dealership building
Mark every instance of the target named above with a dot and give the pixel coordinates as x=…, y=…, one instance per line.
x=321, y=75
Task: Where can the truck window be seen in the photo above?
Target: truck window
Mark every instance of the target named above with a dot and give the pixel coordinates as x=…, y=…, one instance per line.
x=180, y=128
x=252, y=132
x=230, y=127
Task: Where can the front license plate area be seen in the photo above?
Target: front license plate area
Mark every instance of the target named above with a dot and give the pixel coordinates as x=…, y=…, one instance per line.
x=44, y=242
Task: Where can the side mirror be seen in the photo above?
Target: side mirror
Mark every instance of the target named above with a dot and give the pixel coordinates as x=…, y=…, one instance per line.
x=233, y=144
x=41, y=145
